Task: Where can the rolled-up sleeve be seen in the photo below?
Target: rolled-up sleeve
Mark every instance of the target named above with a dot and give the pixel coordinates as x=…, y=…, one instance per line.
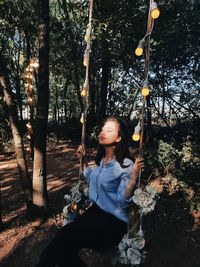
x=87, y=173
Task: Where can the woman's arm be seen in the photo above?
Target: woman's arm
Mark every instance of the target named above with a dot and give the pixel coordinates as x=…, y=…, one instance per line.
x=80, y=152
x=137, y=167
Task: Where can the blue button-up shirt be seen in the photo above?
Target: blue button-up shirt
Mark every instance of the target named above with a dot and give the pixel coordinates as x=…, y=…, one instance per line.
x=107, y=184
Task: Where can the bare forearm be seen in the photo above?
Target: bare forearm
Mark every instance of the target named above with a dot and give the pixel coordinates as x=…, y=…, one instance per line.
x=84, y=163
x=137, y=168
x=130, y=186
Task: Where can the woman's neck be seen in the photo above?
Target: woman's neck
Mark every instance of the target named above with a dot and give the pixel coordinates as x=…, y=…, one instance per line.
x=109, y=154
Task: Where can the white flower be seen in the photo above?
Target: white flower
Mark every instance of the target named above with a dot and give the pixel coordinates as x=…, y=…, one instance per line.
x=65, y=210
x=85, y=191
x=75, y=193
x=144, y=198
x=152, y=191
x=68, y=198
x=129, y=249
x=123, y=258
x=125, y=243
x=134, y=256
x=66, y=215
x=138, y=242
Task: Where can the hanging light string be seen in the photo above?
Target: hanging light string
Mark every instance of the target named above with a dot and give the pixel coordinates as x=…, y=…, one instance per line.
x=28, y=76
x=144, y=43
x=85, y=89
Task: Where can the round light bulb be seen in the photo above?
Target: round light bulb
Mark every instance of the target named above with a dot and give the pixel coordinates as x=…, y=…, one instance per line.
x=83, y=93
x=86, y=60
x=155, y=13
x=136, y=137
x=145, y=91
x=87, y=35
x=28, y=125
x=29, y=69
x=28, y=85
x=36, y=65
x=139, y=51
x=82, y=120
x=29, y=76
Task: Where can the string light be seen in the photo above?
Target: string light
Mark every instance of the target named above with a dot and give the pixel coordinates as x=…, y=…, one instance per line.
x=86, y=59
x=32, y=66
x=82, y=118
x=29, y=69
x=28, y=125
x=139, y=129
x=145, y=88
x=30, y=100
x=83, y=93
x=87, y=35
x=34, y=63
x=29, y=76
x=136, y=135
x=155, y=12
x=28, y=85
x=85, y=89
x=140, y=48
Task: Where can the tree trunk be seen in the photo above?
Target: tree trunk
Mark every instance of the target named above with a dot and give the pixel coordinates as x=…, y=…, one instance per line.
x=39, y=166
x=1, y=222
x=18, y=87
x=65, y=99
x=17, y=138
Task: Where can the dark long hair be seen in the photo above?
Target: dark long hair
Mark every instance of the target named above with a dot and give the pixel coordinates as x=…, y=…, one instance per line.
x=122, y=147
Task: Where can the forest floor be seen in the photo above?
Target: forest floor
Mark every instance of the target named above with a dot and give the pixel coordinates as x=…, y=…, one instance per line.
x=173, y=237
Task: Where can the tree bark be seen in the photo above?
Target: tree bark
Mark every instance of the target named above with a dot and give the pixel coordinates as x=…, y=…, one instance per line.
x=39, y=166
x=1, y=222
x=18, y=87
x=17, y=137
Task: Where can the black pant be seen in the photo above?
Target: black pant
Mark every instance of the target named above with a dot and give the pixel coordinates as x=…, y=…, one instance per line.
x=94, y=229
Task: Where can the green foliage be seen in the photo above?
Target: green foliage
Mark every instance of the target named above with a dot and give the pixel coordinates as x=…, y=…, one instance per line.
x=168, y=156
x=190, y=161
x=177, y=163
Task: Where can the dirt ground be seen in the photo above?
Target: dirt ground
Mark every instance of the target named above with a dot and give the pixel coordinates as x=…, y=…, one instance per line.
x=172, y=237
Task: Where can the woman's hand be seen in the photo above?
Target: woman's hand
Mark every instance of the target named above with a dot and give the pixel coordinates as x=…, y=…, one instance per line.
x=138, y=166
x=80, y=152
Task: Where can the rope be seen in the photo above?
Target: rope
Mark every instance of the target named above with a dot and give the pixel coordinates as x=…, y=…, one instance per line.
x=150, y=25
x=86, y=83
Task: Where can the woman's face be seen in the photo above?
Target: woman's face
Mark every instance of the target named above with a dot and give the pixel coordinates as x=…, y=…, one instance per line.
x=109, y=133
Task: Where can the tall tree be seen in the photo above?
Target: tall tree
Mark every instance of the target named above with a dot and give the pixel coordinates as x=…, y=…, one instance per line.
x=39, y=166
x=17, y=137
